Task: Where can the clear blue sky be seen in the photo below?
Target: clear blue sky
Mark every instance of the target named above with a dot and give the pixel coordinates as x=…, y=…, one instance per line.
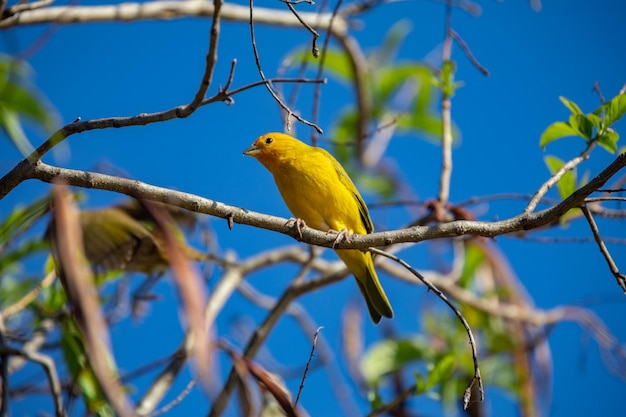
x=101, y=70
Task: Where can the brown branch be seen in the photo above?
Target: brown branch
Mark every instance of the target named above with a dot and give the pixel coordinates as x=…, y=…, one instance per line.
x=137, y=189
x=210, y=60
x=619, y=277
x=314, y=49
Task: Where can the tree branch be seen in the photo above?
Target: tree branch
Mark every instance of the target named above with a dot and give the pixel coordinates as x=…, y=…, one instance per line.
x=137, y=189
x=167, y=10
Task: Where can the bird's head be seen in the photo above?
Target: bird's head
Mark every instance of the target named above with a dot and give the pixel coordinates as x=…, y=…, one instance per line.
x=275, y=149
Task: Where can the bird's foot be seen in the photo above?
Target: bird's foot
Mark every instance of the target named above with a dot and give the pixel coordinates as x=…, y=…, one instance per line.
x=342, y=236
x=298, y=224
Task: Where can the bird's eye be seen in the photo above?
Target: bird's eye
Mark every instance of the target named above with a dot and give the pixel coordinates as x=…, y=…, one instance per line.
x=268, y=141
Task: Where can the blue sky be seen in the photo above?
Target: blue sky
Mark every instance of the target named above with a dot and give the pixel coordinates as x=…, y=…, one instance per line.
x=122, y=69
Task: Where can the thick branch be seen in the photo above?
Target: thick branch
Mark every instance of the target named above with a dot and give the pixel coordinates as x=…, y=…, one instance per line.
x=525, y=221
x=162, y=10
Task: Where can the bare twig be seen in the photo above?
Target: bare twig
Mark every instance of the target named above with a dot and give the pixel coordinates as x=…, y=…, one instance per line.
x=619, y=277
x=476, y=378
x=465, y=47
x=210, y=60
x=314, y=49
x=257, y=59
x=308, y=364
x=568, y=166
x=179, y=398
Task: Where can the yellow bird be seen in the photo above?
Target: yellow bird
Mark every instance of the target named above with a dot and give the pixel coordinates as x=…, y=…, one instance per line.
x=318, y=191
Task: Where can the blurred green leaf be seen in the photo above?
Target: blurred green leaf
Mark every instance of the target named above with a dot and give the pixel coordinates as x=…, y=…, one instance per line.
x=573, y=107
x=391, y=355
x=442, y=370
x=608, y=140
x=556, y=130
x=567, y=183
x=474, y=257
x=17, y=100
x=22, y=219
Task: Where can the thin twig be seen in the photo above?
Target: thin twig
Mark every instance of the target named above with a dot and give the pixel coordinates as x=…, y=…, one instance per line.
x=20, y=304
x=314, y=49
x=568, y=166
x=476, y=378
x=317, y=91
x=210, y=61
x=465, y=47
x=179, y=398
x=268, y=85
x=308, y=364
x=596, y=89
x=619, y=277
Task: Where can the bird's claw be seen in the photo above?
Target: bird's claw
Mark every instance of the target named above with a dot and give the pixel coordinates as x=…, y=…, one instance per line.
x=342, y=236
x=298, y=224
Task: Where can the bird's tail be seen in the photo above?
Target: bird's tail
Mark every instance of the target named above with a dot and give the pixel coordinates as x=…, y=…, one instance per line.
x=362, y=266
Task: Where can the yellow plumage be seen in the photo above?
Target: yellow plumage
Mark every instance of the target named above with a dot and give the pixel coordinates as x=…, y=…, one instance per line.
x=317, y=189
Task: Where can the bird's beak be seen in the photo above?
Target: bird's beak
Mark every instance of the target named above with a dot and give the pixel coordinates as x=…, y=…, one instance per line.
x=252, y=150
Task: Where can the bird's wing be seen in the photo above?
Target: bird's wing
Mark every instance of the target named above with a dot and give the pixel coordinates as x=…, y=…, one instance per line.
x=347, y=182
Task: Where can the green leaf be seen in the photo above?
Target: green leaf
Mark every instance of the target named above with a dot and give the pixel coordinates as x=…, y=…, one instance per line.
x=441, y=371
x=573, y=107
x=22, y=219
x=608, y=140
x=391, y=355
x=337, y=62
x=17, y=100
x=394, y=37
x=615, y=109
x=583, y=126
x=474, y=257
x=556, y=130
x=567, y=183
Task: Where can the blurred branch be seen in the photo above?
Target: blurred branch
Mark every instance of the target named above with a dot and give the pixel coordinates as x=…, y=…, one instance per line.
x=49, y=367
x=20, y=304
x=297, y=288
x=78, y=284
x=167, y=10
